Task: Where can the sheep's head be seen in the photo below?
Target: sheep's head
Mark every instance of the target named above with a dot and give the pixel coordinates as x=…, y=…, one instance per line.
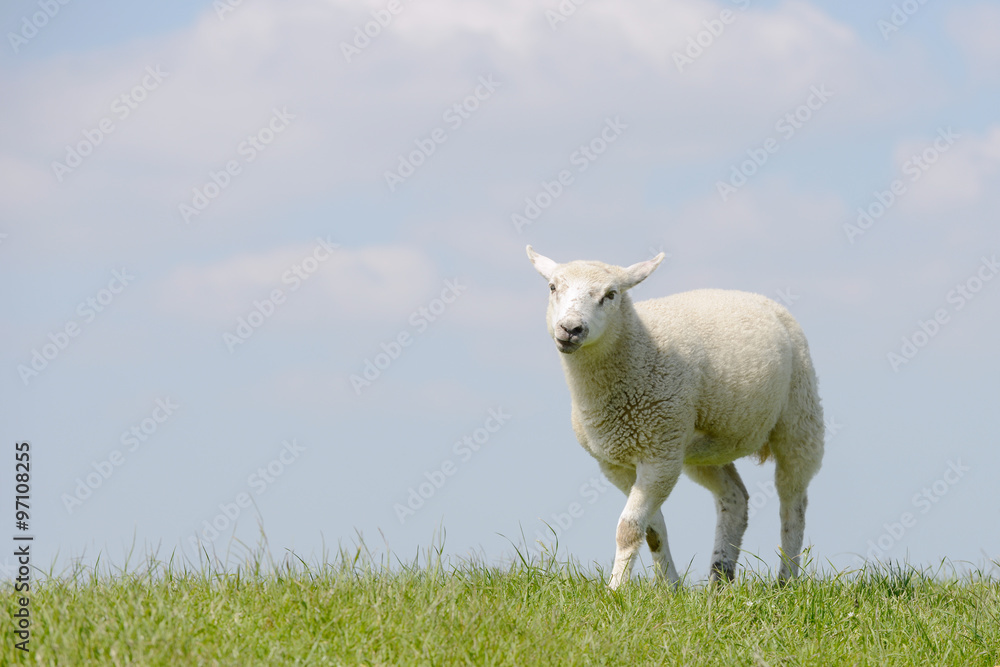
x=584, y=297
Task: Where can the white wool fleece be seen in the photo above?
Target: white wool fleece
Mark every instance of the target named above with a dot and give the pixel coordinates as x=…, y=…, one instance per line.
x=689, y=382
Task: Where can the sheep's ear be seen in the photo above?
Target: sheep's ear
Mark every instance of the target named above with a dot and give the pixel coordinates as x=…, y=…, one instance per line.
x=636, y=273
x=543, y=264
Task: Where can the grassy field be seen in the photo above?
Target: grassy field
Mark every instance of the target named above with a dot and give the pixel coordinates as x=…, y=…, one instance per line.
x=546, y=613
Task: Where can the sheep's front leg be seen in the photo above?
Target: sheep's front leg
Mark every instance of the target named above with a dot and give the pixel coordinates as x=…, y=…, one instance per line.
x=653, y=483
x=656, y=532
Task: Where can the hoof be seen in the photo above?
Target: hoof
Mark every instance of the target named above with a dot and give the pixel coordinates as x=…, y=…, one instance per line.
x=723, y=572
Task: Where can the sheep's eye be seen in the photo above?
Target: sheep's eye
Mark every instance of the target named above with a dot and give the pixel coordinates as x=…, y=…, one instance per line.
x=610, y=296
x=552, y=287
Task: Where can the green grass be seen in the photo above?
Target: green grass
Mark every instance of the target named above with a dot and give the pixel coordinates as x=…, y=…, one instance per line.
x=435, y=613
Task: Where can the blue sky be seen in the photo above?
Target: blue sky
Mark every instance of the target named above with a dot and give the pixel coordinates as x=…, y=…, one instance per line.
x=149, y=423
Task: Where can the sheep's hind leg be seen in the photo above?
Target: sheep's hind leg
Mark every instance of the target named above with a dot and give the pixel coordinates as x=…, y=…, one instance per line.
x=794, y=468
x=653, y=483
x=656, y=538
x=793, y=522
x=731, y=509
x=791, y=489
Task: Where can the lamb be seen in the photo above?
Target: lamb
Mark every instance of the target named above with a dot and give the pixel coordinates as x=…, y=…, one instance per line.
x=689, y=382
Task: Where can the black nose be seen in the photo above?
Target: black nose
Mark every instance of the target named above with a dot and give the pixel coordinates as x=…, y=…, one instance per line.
x=575, y=331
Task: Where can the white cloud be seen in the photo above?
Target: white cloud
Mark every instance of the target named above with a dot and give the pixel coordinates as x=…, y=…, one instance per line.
x=769, y=208
x=24, y=185
x=354, y=118
x=964, y=175
x=974, y=28
x=514, y=25
x=355, y=286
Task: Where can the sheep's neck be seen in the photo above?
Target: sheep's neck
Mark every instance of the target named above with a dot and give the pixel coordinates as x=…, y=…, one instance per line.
x=593, y=369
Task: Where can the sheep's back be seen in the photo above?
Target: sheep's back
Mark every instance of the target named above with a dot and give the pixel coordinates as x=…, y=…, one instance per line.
x=735, y=352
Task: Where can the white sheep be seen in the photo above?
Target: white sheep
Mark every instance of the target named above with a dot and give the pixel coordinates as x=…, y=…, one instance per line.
x=688, y=382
